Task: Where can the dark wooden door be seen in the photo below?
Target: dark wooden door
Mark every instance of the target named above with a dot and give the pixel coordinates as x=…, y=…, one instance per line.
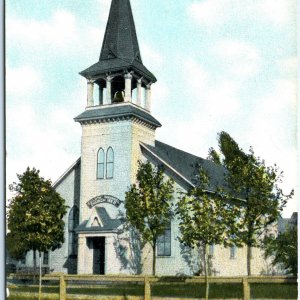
x=99, y=255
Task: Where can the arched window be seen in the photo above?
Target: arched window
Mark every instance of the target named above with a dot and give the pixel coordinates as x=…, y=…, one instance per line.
x=100, y=164
x=110, y=163
x=73, y=222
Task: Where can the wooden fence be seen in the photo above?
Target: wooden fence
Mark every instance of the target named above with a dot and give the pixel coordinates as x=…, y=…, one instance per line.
x=147, y=280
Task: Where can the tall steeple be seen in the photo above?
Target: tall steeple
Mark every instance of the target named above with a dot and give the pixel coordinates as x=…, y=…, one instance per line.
x=120, y=40
x=120, y=68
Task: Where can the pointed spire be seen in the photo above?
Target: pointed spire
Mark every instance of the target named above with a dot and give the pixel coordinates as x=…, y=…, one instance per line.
x=120, y=39
x=120, y=49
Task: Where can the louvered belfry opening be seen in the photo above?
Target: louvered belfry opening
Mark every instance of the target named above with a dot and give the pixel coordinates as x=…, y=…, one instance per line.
x=120, y=74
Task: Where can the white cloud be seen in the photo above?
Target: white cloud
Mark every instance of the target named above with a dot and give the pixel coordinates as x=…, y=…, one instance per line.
x=214, y=97
x=60, y=35
x=160, y=92
x=40, y=141
x=23, y=81
x=58, y=32
x=196, y=77
x=208, y=12
x=279, y=12
x=217, y=13
x=151, y=57
x=239, y=58
x=288, y=67
x=211, y=104
x=222, y=100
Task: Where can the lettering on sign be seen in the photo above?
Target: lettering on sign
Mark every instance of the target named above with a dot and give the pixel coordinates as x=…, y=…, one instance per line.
x=104, y=199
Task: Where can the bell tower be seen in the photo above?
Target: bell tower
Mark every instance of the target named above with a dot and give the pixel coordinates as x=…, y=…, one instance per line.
x=116, y=120
x=120, y=69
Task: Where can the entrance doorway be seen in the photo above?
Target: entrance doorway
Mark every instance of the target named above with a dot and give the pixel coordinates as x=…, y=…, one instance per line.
x=99, y=255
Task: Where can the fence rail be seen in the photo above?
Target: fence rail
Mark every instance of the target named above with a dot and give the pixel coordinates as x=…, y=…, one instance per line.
x=147, y=280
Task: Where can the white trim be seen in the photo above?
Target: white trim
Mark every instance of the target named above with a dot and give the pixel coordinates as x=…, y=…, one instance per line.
x=66, y=173
x=95, y=107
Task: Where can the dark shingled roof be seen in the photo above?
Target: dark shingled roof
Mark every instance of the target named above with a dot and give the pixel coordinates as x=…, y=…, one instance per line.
x=185, y=163
x=120, y=48
x=108, y=223
x=285, y=223
x=115, y=111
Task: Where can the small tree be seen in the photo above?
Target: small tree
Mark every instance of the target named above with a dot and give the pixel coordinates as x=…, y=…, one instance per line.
x=148, y=205
x=205, y=218
x=283, y=250
x=249, y=178
x=34, y=216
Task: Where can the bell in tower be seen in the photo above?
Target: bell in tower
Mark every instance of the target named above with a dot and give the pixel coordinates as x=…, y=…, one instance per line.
x=119, y=97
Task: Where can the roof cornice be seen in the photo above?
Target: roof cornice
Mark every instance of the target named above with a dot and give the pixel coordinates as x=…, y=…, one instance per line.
x=117, y=112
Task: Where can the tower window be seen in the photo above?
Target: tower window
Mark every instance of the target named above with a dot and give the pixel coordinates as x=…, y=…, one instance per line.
x=211, y=250
x=164, y=242
x=100, y=164
x=110, y=163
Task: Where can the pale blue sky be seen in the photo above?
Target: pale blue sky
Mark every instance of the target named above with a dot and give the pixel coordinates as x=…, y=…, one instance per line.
x=221, y=65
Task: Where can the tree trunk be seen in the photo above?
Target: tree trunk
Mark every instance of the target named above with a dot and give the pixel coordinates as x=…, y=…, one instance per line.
x=40, y=279
x=249, y=260
x=206, y=271
x=154, y=258
x=34, y=260
x=249, y=248
x=34, y=266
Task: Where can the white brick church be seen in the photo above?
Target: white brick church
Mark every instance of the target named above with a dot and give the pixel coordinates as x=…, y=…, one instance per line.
x=118, y=129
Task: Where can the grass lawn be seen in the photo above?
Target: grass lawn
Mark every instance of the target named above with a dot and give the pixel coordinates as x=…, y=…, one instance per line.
x=217, y=291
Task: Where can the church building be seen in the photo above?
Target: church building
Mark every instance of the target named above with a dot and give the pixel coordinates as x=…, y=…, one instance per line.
x=118, y=130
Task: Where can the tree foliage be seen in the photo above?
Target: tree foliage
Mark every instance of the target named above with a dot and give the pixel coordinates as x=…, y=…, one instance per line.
x=283, y=250
x=34, y=215
x=148, y=204
x=249, y=178
x=205, y=218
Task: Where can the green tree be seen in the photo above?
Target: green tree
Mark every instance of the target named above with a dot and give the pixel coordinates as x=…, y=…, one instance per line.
x=249, y=178
x=283, y=250
x=34, y=216
x=148, y=205
x=205, y=219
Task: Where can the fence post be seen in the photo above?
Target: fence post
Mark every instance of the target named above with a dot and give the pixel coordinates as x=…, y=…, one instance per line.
x=147, y=289
x=246, y=288
x=62, y=288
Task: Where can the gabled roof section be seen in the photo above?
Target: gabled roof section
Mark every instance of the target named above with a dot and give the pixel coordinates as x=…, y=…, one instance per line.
x=185, y=164
x=106, y=224
x=67, y=172
x=120, y=49
x=117, y=111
